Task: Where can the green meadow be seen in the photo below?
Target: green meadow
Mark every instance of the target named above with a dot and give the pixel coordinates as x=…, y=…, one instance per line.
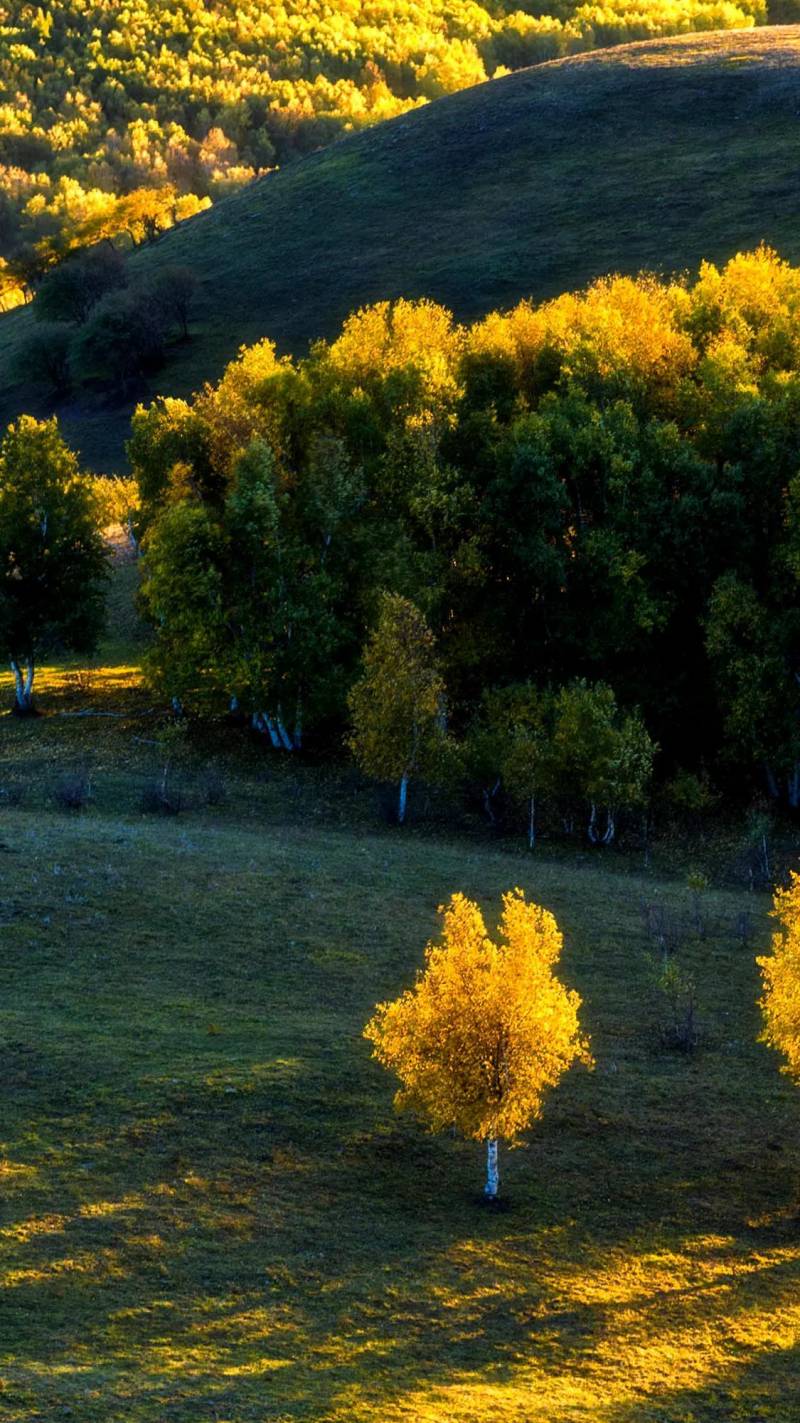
x=210, y=1210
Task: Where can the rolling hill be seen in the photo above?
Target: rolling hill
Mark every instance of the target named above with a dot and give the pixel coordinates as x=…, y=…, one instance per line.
x=652, y=155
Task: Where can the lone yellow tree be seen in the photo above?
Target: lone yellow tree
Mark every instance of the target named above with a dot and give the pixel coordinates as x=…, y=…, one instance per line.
x=487, y=1028
x=398, y=704
x=780, y=971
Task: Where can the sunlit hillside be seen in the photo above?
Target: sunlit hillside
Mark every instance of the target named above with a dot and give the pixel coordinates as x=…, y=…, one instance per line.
x=654, y=155
x=186, y=102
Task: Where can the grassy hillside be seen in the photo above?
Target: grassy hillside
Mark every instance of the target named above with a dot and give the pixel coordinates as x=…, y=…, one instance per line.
x=650, y=155
x=210, y=1211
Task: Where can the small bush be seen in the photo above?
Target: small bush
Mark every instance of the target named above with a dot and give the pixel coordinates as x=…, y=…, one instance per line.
x=73, y=792
x=156, y=800
x=678, y=1028
x=665, y=930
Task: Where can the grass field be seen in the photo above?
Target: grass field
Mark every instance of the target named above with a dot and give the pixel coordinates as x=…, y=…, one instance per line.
x=652, y=155
x=209, y=1210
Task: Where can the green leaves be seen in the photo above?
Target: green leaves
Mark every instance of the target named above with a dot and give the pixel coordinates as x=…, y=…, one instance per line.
x=52, y=558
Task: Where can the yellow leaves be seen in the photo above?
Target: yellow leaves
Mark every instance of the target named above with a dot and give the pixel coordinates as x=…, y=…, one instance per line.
x=780, y=971
x=487, y=1028
x=417, y=336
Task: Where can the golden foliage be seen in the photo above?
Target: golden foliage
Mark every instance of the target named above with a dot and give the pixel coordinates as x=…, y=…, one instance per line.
x=780, y=970
x=487, y=1028
x=397, y=703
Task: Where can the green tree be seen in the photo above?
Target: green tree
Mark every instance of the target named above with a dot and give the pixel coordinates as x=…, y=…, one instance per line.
x=52, y=555
x=397, y=706
x=601, y=756
x=71, y=290
x=510, y=744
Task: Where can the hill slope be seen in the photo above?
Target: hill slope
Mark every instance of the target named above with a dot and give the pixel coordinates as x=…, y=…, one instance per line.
x=649, y=155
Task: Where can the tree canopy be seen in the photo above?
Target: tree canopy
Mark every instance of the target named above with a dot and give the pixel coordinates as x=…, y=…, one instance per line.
x=598, y=491
x=51, y=553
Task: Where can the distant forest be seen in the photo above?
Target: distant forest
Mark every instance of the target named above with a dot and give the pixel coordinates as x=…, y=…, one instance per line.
x=118, y=120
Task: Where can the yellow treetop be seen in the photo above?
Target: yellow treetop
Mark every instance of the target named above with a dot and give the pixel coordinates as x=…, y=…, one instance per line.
x=487, y=1028
x=780, y=970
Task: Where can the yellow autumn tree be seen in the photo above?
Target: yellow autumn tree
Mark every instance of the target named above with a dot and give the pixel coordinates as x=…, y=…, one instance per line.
x=397, y=706
x=780, y=971
x=486, y=1029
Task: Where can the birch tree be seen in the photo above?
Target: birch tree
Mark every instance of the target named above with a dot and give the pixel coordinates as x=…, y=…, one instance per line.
x=53, y=563
x=397, y=706
x=486, y=1030
x=600, y=755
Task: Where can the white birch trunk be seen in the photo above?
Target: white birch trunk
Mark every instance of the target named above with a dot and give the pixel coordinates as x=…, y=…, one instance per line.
x=532, y=823
x=610, y=830
x=591, y=829
x=18, y=682
x=23, y=685
x=492, y=1173
x=285, y=739
x=401, y=801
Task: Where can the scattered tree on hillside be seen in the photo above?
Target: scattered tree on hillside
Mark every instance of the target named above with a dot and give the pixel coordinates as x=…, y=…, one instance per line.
x=398, y=704
x=487, y=1029
x=52, y=556
x=44, y=358
x=71, y=290
x=123, y=339
x=173, y=290
x=780, y=972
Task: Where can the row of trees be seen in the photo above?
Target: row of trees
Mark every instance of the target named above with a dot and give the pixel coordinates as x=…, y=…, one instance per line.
x=604, y=488
x=571, y=747
x=118, y=122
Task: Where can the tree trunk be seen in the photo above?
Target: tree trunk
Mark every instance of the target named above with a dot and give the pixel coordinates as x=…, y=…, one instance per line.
x=285, y=738
x=610, y=830
x=492, y=1174
x=772, y=784
x=591, y=829
x=401, y=799
x=23, y=687
x=532, y=823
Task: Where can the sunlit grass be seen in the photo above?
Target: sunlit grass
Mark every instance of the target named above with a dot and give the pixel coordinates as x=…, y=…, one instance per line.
x=209, y=1210
x=212, y=1212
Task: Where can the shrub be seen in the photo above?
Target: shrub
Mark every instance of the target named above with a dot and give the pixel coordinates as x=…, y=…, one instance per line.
x=44, y=358
x=73, y=792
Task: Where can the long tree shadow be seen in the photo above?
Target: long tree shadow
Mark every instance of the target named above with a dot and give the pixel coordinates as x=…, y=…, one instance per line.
x=210, y=1211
